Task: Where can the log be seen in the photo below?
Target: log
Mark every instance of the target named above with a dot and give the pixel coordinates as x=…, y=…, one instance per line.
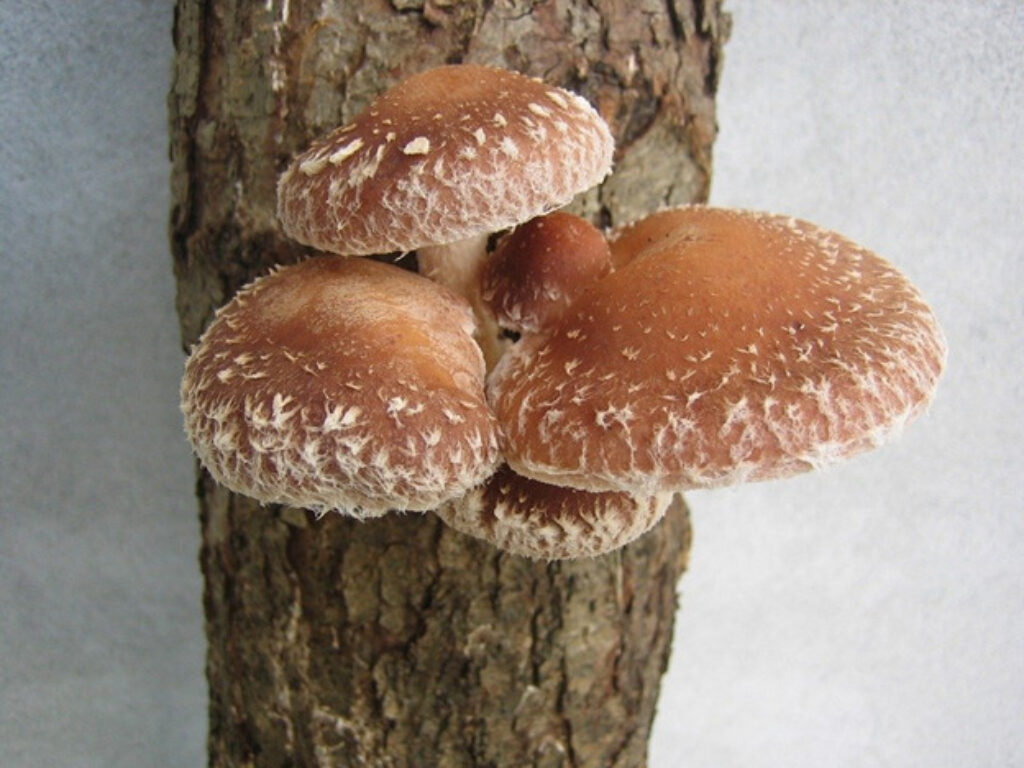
x=397, y=641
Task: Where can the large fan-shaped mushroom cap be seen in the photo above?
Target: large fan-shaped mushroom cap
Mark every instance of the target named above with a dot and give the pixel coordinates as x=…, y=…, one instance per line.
x=727, y=346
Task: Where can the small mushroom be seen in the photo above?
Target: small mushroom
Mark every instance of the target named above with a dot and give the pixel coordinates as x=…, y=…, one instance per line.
x=539, y=269
x=438, y=163
x=341, y=384
x=542, y=521
x=726, y=346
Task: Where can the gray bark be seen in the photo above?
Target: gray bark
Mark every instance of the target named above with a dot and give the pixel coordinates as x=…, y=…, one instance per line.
x=398, y=642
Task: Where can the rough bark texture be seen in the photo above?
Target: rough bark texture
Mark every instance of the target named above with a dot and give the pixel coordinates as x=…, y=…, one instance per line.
x=398, y=642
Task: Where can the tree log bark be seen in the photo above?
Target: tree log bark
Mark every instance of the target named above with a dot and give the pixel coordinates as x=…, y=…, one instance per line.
x=398, y=642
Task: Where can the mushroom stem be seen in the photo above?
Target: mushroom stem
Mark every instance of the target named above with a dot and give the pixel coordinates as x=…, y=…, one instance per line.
x=455, y=265
x=458, y=266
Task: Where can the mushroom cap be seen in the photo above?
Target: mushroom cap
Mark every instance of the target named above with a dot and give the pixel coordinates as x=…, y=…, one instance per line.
x=447, y=154
x=540, y=267
x=341, y=384
x=728, y=346
x=549, y=522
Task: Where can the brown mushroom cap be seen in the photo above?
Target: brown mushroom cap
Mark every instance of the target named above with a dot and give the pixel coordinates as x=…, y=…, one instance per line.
x=729, y=346
x=539, y=269
x=443, y=156
x=549, y=522
x=341, y=384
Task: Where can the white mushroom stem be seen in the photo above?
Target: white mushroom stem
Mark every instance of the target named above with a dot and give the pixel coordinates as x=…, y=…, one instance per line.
x=458, y=266
x=455, y=265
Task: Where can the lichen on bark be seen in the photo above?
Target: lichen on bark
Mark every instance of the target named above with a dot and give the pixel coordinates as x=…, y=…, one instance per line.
x=398, y=642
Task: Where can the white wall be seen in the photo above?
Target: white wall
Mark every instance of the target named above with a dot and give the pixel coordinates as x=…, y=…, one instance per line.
x=869, y=615
x=873, y=614
x=101, y=647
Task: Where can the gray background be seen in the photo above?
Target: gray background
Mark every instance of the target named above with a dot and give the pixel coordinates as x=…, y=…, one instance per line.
x=869, y=615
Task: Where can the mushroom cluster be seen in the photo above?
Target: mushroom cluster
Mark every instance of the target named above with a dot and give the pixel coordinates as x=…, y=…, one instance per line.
x=553, y=396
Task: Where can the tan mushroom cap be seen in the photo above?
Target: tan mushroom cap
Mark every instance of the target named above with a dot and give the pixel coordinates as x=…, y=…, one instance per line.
x=339, y=384
x=539, y=269
x=729, y=346
x=549, y=522
x=443, y=156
